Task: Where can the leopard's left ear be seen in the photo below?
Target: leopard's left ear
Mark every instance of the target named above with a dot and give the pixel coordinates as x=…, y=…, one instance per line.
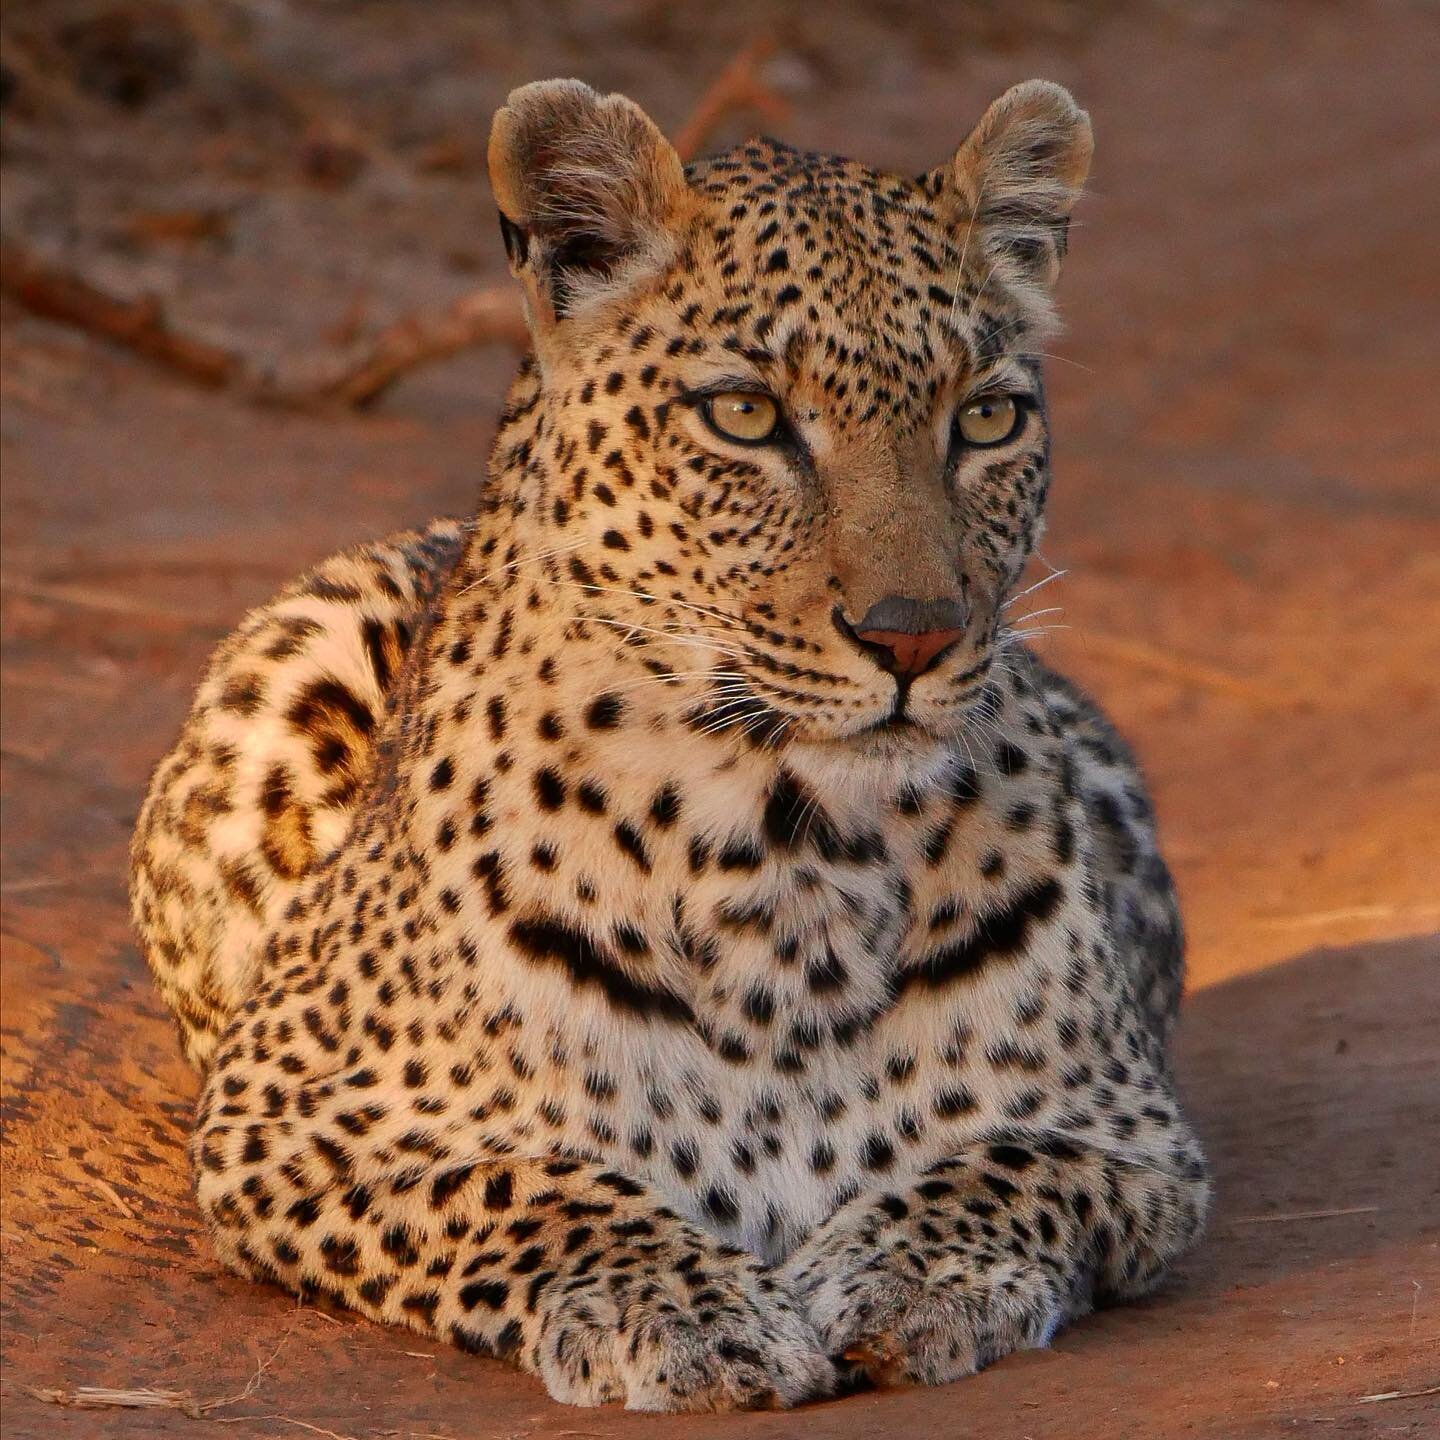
x=1018, y=176
x=589, y=193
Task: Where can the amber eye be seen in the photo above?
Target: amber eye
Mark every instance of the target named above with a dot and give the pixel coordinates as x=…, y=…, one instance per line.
x=750, y=418
x=989, y=420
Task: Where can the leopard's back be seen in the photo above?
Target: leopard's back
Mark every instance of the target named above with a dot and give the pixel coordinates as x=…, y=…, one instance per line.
x=273, y=759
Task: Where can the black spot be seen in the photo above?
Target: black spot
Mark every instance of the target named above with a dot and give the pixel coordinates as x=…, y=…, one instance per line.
x=490, y=1293
x=952, y=1102
x=243, y=694
x=878, y=1153
x=547, y=938
x=499, y=1190
x=785, y=810
x=826, y=973
x=741, y=854
x=1012, y=1157
x=893, y=1206
x=665, y=807
x=964, y=785
x=604, y=712
x=591, y=796
x=549, y=789
x=997, y=936
x=720, y=1206
x=760, y=1005
x=630, y=840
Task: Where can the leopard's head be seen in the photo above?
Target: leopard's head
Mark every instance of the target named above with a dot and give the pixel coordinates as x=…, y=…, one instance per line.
x=785, y=422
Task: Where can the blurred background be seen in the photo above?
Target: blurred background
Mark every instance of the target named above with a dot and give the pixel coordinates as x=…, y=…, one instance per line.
x=255, y=308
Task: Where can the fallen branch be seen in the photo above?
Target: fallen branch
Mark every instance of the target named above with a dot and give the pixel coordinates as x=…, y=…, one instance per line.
x=491, y=315
x=483, y=317
x=138, y=325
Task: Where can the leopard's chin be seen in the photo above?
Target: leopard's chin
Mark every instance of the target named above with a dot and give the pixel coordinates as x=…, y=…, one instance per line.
x=887, y=737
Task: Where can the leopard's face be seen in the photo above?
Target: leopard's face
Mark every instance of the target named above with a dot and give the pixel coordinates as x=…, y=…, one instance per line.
x=795, y=438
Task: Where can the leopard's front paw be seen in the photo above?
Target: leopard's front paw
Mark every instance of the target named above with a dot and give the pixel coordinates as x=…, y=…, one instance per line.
x=719, y=1335
x=905, y=1318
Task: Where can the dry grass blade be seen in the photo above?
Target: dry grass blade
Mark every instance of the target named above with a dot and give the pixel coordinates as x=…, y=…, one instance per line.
x=1294, y=1215
x=151, y=1397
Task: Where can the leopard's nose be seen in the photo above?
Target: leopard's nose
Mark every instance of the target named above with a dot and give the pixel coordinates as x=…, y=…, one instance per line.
x=904, y=636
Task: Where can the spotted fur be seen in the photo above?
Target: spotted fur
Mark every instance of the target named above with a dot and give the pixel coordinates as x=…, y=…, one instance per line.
x=599, y=959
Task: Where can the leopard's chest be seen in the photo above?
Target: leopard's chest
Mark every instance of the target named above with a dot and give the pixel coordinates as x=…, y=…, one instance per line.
x=798, y=1078
x=713, y=1000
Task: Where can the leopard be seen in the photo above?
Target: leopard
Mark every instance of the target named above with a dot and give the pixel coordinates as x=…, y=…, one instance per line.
x=668, y=929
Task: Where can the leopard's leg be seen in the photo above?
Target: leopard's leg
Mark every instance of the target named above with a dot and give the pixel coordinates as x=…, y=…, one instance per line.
x=336, y=1187
x=992, y=1251
x=273, y=759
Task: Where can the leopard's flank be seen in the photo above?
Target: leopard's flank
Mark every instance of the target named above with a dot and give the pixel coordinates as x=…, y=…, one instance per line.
x=667, y=929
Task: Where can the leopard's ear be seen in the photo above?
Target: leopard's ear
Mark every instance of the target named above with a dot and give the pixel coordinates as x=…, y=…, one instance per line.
x=1017, y=177
x=588, y=189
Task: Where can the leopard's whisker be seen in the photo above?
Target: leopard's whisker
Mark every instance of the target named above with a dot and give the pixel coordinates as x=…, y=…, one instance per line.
x=650, y=598
x=1031, y=589
x=533, y=559
x=633, y=628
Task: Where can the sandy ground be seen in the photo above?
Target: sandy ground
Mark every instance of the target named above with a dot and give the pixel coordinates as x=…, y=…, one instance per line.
x=1248, y=508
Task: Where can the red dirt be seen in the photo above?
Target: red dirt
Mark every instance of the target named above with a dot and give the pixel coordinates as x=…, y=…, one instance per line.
x=1247, y=504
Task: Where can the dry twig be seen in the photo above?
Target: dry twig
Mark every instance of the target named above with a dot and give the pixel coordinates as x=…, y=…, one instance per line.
x=102, y=1397
x=1397, y=1395
x=113, y=1196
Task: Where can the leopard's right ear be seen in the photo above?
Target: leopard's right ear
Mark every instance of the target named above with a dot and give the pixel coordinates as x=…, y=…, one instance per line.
x=1017, y=177
x=589, y=193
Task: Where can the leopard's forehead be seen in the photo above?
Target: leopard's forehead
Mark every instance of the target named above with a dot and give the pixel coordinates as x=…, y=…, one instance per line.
x=841, y=233
x=852, y=275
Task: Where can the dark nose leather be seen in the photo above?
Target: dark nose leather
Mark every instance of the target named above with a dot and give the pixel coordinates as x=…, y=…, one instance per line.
x=906, y=637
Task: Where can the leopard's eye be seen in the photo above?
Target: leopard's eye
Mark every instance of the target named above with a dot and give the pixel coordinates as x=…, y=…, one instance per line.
x=989, y=420
x=742, y=415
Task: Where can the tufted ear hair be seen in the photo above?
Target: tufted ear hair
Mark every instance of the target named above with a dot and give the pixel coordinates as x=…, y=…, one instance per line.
x=1019, y=174
x=588, y=190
